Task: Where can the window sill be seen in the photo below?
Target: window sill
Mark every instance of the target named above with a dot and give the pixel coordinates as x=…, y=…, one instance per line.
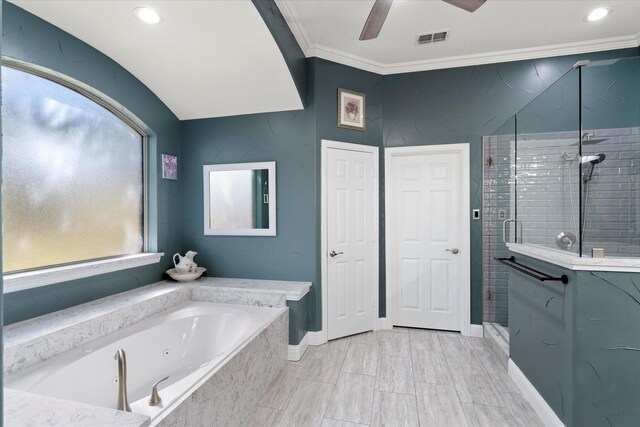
x=33, y=279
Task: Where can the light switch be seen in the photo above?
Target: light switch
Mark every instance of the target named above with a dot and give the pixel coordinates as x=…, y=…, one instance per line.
x=476, y=214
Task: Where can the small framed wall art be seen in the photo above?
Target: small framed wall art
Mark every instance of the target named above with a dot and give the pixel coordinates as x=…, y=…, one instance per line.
x=351, y=114
x=169, y=167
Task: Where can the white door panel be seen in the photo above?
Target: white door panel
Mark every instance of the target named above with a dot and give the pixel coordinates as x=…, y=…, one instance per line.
x=425, y=218
x=351, y=235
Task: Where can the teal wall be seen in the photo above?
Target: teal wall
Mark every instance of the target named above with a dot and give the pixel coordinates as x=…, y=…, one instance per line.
x=461, y=105
x=31, y=39
x=298, y=319
x=432, y=107
x=327, y=78
x=606, y=354
x=541, y=333
x=292, y=140
x=579, y=344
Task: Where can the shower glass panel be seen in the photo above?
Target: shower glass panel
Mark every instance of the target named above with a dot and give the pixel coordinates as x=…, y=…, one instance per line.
x=498, y=206
x=548, y=148
x=610, y=168
x=564, y=173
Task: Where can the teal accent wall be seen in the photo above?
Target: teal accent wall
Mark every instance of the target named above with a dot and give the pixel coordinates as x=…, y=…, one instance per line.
x=293, y=141
x=541, y=333
x=579, y=344
x=298, y=319
x=460, y=105
x=606, y=355
x=328, y=77
x=31, y=39
x=432, y=107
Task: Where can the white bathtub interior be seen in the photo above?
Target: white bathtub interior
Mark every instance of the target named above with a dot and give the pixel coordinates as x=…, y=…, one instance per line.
x=186, y=343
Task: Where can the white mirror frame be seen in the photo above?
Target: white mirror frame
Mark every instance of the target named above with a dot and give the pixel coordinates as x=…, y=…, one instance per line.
x=271, y=231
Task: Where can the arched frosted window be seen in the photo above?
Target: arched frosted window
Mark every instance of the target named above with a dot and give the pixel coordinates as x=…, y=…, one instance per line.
x=73, y=176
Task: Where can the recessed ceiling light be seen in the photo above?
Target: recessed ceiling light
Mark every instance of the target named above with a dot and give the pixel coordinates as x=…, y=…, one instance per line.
x=147, y=15
x=597, y=14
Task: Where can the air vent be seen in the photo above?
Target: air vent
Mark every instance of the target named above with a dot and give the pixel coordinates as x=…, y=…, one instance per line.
x=439, y=36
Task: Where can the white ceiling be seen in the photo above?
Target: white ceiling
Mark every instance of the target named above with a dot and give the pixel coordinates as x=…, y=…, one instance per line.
x=501, y=30
x=204, y=59
x=214, y=58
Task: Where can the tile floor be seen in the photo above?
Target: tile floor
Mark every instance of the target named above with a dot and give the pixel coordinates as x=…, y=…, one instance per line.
x=401, y=377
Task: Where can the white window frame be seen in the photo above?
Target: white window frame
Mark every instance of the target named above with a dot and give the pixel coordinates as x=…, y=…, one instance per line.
x=19, y=281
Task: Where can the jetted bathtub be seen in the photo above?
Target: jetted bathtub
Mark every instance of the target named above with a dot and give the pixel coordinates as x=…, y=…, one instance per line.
x=187, y=343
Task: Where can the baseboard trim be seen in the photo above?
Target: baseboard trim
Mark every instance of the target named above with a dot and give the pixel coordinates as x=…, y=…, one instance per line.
x=295, y=352
x=542, y=408
x=476, y=331
x=317, y=337
x=381, y=324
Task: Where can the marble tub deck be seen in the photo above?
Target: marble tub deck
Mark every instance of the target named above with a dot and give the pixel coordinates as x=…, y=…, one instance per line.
x=36, y=340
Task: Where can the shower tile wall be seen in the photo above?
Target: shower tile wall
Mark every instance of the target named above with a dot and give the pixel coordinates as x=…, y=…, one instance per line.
x=498, y=200
x=613, y=204
x=548, y=189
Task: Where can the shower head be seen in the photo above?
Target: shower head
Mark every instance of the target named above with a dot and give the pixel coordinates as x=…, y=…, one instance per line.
x=588, y=139
x=593, y=160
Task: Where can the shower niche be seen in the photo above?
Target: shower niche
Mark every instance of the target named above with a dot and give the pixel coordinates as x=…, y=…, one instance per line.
x=562, y=176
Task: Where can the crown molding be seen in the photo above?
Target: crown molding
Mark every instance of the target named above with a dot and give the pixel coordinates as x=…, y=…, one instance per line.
x=474, y=59
x=359, y=62
x=293, y=26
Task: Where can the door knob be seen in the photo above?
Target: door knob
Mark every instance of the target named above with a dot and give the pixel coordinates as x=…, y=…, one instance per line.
x=453, y=251
x=334, y=253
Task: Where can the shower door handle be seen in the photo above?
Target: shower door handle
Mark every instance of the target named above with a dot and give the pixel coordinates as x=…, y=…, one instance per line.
x=504, y=230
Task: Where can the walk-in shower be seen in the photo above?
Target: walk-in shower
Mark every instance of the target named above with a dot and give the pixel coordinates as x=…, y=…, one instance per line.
x=564, y=173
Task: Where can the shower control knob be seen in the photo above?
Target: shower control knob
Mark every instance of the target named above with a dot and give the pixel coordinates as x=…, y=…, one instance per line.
x=453, y=251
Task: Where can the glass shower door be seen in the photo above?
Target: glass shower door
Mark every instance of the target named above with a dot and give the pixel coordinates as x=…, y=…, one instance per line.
x=499, y=196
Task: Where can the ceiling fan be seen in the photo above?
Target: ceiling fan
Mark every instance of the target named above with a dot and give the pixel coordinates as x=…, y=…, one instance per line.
x=381, y=8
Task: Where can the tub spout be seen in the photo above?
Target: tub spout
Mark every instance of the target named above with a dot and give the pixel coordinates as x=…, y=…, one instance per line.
x=123, y=403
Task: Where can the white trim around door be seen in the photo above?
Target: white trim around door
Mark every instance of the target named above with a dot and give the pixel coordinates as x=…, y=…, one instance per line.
x=326, y=145
x=465, y=292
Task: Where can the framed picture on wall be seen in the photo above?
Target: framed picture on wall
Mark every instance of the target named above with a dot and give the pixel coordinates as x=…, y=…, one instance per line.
x=169, y=167
x=351, y=114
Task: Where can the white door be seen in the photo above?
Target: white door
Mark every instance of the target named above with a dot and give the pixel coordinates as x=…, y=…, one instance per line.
x=350, y=242
x=426, y=238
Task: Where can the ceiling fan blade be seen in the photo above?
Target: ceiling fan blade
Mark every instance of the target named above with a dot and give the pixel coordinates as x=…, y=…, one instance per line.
x=375, y=19
x=468, y=5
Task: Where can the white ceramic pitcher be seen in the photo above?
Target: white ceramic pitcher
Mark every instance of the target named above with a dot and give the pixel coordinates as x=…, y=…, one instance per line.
x=185, y=263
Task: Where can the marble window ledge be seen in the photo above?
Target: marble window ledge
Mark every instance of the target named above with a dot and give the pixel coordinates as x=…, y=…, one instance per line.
x=32, y=279
x=574, y=262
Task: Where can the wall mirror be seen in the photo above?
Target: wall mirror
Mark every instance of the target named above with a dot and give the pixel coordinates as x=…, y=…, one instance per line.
x=240, y=199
